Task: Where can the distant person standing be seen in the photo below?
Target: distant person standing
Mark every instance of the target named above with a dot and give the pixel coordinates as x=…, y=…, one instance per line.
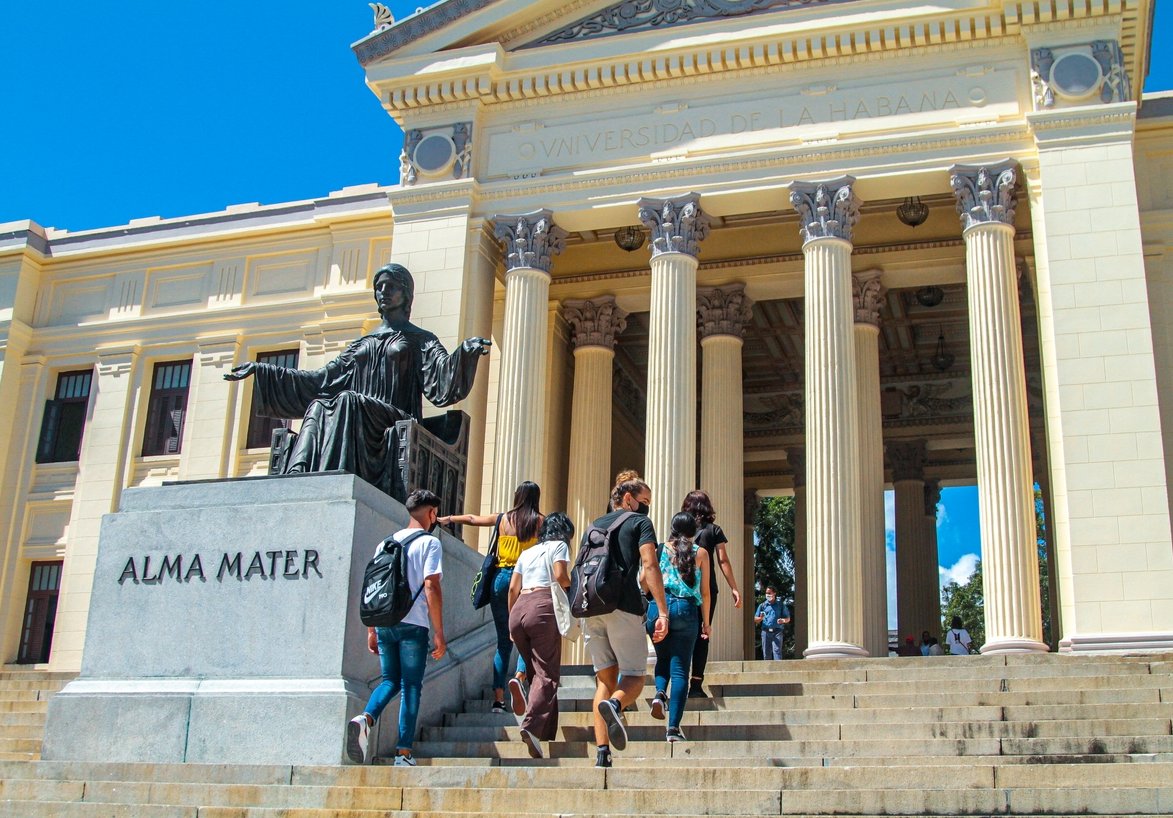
x=957, y=639
x=772, y=615
x=712, y=540
x=403, y=648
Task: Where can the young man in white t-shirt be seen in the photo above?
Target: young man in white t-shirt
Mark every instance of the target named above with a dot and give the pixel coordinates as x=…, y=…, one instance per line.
x=403, y=648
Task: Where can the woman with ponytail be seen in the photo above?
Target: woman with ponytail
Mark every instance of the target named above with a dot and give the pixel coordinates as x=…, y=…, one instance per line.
x=685, y=568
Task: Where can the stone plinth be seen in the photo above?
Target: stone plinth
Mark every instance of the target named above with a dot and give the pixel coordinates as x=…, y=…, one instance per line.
x=224, y=626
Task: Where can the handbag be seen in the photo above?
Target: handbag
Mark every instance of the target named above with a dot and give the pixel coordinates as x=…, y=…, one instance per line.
x=567, y=624
x=482, y=583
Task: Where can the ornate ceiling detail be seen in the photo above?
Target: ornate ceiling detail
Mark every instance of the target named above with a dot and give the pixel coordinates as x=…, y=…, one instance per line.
x=629, y=396
x=907, y=459
x=644, y=15
x=786, y=412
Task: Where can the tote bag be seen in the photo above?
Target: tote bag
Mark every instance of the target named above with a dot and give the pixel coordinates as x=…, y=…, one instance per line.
x=567, y=624
x=482, y=583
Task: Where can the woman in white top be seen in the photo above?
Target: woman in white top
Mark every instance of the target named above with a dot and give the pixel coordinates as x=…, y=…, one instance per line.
x=534, y=630
x=958, y=638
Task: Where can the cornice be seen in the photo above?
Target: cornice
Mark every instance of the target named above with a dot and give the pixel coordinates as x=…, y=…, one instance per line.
x=502, y=84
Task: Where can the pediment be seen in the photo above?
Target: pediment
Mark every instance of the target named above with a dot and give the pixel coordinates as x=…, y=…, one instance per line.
x=517, y=24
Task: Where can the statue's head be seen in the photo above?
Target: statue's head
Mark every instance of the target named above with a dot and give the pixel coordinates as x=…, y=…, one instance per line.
x=391, y=278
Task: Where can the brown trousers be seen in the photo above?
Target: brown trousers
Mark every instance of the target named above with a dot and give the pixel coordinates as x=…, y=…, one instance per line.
x=535, y=632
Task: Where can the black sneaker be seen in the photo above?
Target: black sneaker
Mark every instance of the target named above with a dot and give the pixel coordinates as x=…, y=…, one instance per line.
x=695, y=691
x=658, y=705
x=611, y=712
x=603, y=757
x=674, y=735
x=498, y=707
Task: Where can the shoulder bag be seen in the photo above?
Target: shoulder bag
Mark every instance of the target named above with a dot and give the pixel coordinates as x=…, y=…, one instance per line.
x=482, y=583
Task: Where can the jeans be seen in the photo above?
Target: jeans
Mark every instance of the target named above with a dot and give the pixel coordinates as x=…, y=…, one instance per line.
x=403, y=653
x=499, y=605
x=674, y=652
x=772, y=644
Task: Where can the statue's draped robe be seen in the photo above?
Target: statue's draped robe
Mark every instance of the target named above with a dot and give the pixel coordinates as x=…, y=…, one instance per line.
x=350, y=406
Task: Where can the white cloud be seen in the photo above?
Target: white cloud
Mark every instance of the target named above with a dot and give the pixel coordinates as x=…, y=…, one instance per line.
x=961, y=571
x=942, y=515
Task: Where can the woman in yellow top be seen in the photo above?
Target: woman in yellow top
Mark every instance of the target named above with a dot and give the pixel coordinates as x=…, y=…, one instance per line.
x=519, y=530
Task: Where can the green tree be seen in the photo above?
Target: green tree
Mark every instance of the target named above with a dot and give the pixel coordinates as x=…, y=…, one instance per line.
x=774, y=556
x=968, y=601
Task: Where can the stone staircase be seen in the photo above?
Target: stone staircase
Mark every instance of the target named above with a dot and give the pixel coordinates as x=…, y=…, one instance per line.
x=24, y=699
x=1018, y=735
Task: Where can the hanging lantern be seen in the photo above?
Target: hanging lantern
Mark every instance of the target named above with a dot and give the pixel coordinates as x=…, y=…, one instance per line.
x=629, y=238
x=913, y=211
x=942, y=358
x=930, y=296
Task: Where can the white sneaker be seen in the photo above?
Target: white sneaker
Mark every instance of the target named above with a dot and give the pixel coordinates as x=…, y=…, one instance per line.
x=404, y=760
x=358, y=733
x=658, y=707
x=532, y=744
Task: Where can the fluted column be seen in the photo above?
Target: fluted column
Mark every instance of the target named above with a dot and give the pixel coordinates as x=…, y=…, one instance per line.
x=677, y=227
x=722, y=313
x=800, y=616
x=827, y=213
x=868, y=293
x=593, y=325
x=750, y=503
x=531, y=240
x=1010, y=571
x=916, y=568
x=932, y=498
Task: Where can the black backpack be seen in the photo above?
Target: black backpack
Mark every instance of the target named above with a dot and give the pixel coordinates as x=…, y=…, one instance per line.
x=386, y=596
x=597, y=581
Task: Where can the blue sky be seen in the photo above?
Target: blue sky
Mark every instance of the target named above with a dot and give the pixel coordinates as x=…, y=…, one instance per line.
x=116, y=111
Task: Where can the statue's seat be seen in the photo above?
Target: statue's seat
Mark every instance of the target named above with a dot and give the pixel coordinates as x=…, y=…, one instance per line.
x=429, y=454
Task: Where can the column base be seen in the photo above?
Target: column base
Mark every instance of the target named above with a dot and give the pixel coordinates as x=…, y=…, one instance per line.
x=834, y=650
x=1147, y=642
x=995, y=647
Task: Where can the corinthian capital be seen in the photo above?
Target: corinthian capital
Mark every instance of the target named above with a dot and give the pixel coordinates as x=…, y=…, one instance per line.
x=826, y=209
x=530, y=239
x=868, y=294
x=677, y=225
x=722, y=310
x=907, y=458
x=594, y=323
x=985, y=193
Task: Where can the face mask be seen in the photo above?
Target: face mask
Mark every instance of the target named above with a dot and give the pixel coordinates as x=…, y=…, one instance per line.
x=642, y=508
x=769, y=598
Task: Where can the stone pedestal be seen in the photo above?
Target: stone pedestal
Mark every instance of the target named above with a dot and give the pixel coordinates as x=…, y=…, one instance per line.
x=224, y=626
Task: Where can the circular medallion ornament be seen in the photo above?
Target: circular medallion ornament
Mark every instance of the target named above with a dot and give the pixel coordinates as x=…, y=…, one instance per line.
x=1076, y=76
x=434, y=154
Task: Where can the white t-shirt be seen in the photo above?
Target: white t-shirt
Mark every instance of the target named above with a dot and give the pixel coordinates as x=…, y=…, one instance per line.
x=957, y=640
x=424, y=558
x=533, y=564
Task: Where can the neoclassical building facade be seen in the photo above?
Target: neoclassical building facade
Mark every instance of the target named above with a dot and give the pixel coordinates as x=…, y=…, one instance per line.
x=755, y=246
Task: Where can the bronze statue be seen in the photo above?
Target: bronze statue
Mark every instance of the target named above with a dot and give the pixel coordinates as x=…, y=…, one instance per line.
x=349, y=407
